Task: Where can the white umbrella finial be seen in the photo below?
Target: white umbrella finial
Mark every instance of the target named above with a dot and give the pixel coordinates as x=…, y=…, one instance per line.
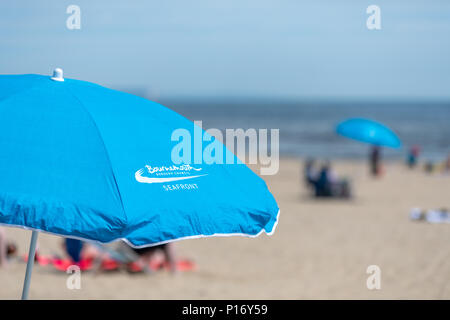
x=57, y=75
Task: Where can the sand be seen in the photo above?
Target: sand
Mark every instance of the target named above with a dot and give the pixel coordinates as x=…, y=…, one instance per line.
x=320, y=250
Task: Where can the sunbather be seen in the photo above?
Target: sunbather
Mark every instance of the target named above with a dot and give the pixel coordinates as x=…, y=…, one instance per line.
x=146, y=254
x=329, y=185
x=431, y=216
x=73, y=248
x=325, y=181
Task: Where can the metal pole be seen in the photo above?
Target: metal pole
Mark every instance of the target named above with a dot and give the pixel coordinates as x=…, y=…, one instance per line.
x=30, y=263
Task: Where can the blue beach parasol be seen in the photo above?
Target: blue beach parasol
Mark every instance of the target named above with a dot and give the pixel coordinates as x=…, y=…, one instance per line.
x=368, y=131
x=83, y=161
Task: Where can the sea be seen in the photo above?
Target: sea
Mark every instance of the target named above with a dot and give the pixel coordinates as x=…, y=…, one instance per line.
x=307, y=128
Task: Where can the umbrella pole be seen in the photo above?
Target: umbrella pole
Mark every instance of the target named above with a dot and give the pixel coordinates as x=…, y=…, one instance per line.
x=30, y=263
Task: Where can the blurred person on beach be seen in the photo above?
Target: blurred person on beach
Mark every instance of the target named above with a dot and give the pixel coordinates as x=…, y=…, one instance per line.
x=432, y=216
x=413, y=156
x=78, y=250
x=440, y=167
x=310, y=173
x=325, y=181
x=447, y=165
x=429, y=167
x=375, y=161
x=73, y=248
x=146, y=254
x=136, y=260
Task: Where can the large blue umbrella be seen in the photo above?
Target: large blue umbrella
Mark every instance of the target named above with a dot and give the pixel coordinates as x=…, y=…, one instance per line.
x=83, y=161
x=368, y=131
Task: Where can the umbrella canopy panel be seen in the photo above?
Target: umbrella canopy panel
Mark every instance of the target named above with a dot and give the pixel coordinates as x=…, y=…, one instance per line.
x=54, y=170
x=79, y=160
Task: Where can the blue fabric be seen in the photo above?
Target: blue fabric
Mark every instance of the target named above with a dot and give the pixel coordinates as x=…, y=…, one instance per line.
x=77, y=159
x=73, y=248
x=368, y=131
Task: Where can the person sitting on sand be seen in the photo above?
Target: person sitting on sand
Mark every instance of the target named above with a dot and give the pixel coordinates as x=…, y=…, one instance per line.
x=327, y=184
x=325, y=181
x=432, y=216
x=73, y=248
x=310, y=173
x=78, y=250
x=146, y=254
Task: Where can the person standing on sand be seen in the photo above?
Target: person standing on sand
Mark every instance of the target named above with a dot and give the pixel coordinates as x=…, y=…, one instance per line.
x=374, y=160
x=413, y=155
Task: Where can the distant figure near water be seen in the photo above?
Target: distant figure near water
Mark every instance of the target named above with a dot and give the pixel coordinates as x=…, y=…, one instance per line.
x=438, y=167
x=447, y=165
x=375, y=161
x=413, y=156
x=372, y=132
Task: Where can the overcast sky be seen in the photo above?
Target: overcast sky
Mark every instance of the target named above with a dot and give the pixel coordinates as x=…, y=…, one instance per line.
x=278, y=48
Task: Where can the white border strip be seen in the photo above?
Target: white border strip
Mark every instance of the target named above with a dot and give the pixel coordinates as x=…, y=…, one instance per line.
x=152, y=244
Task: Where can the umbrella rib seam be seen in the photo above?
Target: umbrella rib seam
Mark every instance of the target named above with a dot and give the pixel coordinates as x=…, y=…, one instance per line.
x=106, y=151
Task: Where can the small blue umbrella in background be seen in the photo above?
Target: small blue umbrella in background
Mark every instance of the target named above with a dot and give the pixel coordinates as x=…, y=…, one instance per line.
x=368, y=131
x=83, y=161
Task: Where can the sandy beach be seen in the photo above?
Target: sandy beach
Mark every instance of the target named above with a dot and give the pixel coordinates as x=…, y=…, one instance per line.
x=320, y=250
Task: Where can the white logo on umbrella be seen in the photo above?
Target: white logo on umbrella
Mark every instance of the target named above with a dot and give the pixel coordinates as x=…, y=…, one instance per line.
x=166, y=171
